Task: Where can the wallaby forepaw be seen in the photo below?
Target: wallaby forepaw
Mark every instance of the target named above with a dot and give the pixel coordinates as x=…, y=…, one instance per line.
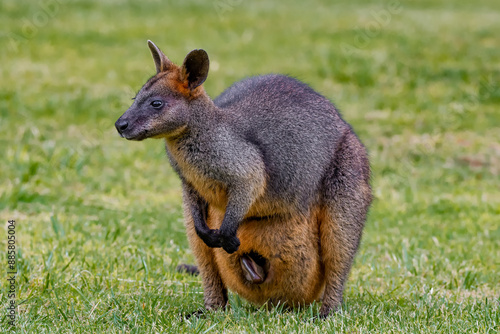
x=212, y=239
x=216, y=239
x=230, y=244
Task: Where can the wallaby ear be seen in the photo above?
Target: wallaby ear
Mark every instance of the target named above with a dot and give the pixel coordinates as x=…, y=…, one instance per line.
x=162, y=63
x=195, y=68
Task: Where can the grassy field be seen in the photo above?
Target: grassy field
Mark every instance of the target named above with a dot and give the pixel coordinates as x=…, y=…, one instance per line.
x=99, y=224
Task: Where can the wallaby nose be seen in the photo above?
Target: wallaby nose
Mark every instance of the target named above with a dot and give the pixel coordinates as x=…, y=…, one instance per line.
x=121, y=125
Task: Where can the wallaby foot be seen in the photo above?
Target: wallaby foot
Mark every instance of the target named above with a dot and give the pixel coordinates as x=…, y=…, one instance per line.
x=188, y=268
x=327, y=309
x=333, y=295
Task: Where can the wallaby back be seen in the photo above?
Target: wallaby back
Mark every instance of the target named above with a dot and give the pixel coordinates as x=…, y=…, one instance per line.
x=295, y=129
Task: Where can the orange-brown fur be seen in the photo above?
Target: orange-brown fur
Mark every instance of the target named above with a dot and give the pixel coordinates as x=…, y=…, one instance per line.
x=296, y=275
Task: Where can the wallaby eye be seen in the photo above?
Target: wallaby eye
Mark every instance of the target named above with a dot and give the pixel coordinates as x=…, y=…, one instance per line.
x=157, y=104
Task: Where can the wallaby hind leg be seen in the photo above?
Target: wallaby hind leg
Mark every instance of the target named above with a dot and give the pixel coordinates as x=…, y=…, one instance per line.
x=214, y=291
x=346, y=199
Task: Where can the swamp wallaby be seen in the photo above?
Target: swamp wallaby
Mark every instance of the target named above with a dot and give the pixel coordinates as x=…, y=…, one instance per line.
x=275, y=183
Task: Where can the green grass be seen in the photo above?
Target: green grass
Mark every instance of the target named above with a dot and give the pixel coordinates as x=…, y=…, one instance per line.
x=99, y=222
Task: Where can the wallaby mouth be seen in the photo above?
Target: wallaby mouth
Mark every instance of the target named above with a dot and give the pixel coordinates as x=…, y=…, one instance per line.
x=139, y=137
x=255, y=267
x=129, y=130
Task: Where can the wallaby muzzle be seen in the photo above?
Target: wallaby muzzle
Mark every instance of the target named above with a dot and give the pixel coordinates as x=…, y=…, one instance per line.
x=131, y=126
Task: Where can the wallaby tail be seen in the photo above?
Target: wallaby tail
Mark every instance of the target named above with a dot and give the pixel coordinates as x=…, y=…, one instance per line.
x=188, y=268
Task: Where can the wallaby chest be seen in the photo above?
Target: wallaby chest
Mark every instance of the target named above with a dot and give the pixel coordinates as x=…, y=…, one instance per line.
x=189, y=161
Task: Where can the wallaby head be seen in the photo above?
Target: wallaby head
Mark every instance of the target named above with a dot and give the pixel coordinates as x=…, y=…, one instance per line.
x=162, y=106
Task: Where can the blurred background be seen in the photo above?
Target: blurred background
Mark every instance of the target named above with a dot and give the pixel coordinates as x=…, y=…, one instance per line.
x=418, y=81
